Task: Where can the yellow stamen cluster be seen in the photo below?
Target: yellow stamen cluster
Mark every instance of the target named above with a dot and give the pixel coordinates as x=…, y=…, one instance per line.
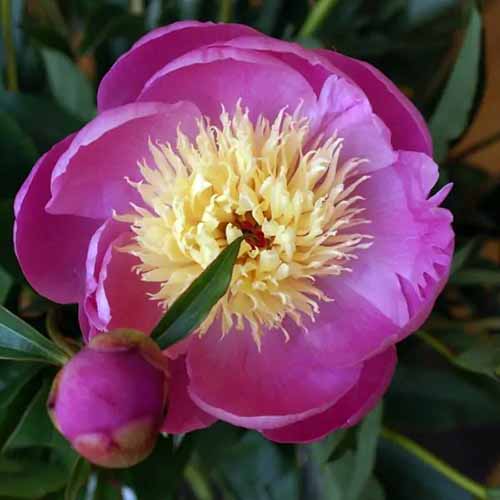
x=199, y=194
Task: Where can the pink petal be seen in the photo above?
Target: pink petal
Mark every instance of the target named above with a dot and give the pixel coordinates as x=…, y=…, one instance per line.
x=182, y=414
x=263, y=83
x=348, y=411
x=89, y=178
x=408, y=128
x=413, y=237
x=283, y=383
x=343, y=109
x=121, y=297
x=99, y=244
x=125, y=80
x=51, y=248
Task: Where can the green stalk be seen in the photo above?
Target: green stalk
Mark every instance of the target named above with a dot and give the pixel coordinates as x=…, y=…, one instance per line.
x=316, y=17
x=226, y=11
x=437, y=345
x=9, y=49
x=475, y=489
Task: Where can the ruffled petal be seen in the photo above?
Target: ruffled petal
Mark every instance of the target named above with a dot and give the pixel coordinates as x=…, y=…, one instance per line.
x=47, y=243
x=407, y=126
x=182, y=414
x=121, y=299
x=285, y=382
x=345, y=111
x=263, y=83
x=375, y=378
x=90, y=177
x=155, y=50
x=412, y=238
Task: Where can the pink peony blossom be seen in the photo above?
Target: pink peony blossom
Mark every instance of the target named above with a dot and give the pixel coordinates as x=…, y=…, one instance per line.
x=109, y=399
x=205, y=130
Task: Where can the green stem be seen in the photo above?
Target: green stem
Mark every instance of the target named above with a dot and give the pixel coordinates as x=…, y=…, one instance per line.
x=9, y=49
x=136, y=7
x=437, y=345
x=446, y=470
x=199, y=485
x=226, y=11
x=316, y=17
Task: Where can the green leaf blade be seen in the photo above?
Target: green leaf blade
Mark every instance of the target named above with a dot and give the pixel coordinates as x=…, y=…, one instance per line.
x=21, y=342
x=453, y=110
x=193, y=306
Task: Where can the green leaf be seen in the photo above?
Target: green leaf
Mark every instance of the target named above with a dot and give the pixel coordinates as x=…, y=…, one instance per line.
x=323, y=450
x=78, y=479
x=193, y=306
x=31, y=479
x=348, y=476
x=440, y=399
x=255, y=468
x=7, y=255
x=107, y=489
x=21, y=342
x=165, y=464
x=35, y=429
x=109, y=22
x=462, y=255
x=406, y=477
x=18, y=155
x=493, y=494
x=31, y=113
x=483, y=357
x=452, y=112
x=364, y=459
x=5, y=284
x=13, y=377
x=473, y=277
x=69, y=85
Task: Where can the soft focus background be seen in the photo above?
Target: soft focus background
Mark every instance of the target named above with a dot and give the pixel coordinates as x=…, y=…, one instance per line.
x=445, y=55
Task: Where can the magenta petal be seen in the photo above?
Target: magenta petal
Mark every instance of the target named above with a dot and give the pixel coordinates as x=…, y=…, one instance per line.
x=348, y=411
x=122, y=299
x=90, y=177
x=154, y=51
x=343, y=109
x=412, y=237
x=283, y=383
x=408, y=128
x=182, y=414
x=263, y=83
x=45, y=243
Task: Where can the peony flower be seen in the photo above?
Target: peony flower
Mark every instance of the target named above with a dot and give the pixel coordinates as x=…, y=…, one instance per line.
x=209, y=131
x=109, y=399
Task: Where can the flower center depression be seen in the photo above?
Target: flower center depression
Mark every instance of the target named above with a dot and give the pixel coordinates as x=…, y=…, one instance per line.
x=290, y=195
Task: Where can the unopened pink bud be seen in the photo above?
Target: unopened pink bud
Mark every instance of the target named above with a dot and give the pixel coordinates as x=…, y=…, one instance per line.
x=109, y=399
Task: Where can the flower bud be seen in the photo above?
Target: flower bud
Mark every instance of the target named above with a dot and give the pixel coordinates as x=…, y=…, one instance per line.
x=109, y=399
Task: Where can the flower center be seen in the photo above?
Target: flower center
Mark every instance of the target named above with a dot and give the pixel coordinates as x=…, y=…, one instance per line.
x=290, y=196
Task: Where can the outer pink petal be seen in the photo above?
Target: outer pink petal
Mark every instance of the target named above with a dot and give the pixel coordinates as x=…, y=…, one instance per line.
x=182, y=414
x=89, y=178
x=412, y=238
x=408, y=128
x=121, y=297
x=125, y=80
x=344, y=110
x=51, y=248
x=283, y=383
x=263, y=83
x=100, y=242
x=361, y=399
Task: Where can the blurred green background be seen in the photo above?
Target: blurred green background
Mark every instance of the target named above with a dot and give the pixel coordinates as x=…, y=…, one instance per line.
x=446, y=393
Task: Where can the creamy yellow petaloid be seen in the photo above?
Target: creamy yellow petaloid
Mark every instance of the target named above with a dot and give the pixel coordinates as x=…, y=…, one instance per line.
x=200, y=195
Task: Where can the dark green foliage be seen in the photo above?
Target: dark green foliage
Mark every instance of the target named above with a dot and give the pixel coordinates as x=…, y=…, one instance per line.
x=447, y=378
